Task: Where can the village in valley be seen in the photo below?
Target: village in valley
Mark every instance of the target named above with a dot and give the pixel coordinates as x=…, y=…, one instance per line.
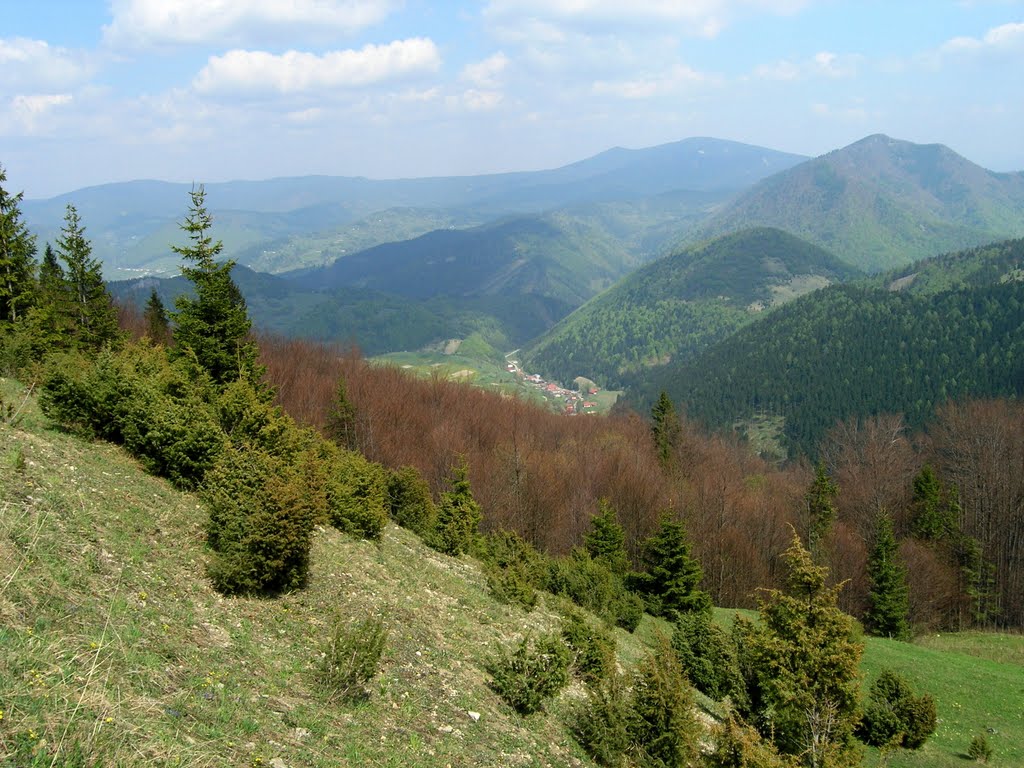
x=576, y=401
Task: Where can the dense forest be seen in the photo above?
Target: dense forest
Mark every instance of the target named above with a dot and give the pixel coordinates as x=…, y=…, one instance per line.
x=682, y=304
x=856, y=350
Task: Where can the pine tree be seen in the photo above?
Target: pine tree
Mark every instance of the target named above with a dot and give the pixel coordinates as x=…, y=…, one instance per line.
x=17, y=258
x=821, y=508
x=606, y=541
x=672, y=576
x=665, y=429
x=92, y=310
x=458, y=515
x=801, y=664
x=887, y=593
x=158, y=326
x=213, y=326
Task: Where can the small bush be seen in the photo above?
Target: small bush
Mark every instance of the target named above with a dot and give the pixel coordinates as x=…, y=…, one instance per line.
x=895, y=716
x=357, y=494
x=589, y=584
x=532, y=672
x=593, y=649
x=513, y=567
x=980, y=750
x=352, y=658
x=410, y=502
x=602, y=723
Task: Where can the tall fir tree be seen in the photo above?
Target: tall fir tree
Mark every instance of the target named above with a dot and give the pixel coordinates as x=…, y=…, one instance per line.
x=888, y=596
x=801, y=662
x=158, y=326
x=665, y=428
x=820, y=507
x=17, y=258
x=214, y=326
x=671, y=578
x=606, y=540
x=93, y=314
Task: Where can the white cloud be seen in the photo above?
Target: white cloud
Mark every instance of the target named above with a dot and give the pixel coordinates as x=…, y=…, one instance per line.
x=644, y=88
x=26, y=110
x=1004, y=37
x=701, y=17
x=486, y=73
x=824, y=64
x=144, y=23
x=299, y=72
x=480, y=101
x=29, y=63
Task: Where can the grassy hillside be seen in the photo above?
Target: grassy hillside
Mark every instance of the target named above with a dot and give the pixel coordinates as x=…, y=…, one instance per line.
x=116, y=646
x=113, y=640
x=674, y=308
x=882, y=203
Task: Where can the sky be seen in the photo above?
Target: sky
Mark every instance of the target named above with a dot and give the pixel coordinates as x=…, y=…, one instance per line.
x=214, y=90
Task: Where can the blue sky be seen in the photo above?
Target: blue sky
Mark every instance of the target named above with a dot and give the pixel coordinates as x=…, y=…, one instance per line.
x=212, y=90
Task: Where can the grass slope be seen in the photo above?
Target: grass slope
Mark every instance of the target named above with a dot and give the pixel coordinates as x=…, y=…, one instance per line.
x=113, y=640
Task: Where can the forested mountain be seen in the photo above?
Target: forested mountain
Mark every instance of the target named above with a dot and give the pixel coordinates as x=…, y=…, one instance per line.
x=949, y=328
x=673, y=309
x=881, y=203
x=286, y=223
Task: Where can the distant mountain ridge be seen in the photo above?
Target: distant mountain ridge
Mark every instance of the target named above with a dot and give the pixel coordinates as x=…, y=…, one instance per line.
x=882, y=203
x=130, y=223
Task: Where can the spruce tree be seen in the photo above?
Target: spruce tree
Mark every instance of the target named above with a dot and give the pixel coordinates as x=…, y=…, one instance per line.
x=887, y=592
x=932, y=517
x=51, y=316
x=213, y=326
x=17, y=258
x=671, y=579
x=665, y=429
x=158, y=326
x=801, y=665
x=92, y=310
x=458, y=515
x=341, y=420
x=820, y=505
x=605, y=542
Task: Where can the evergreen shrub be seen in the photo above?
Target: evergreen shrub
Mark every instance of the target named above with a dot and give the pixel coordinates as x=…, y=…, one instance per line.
x=894, y=715
x=410, y=502
x=357, y=493
x=532, y=672
x=593, y=648
x=262, y=513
